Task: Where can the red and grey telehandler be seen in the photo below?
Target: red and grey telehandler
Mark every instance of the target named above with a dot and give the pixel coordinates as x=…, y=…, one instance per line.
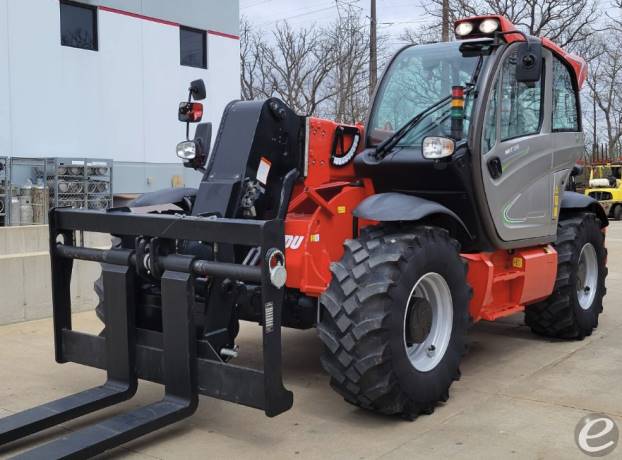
x=446, y=208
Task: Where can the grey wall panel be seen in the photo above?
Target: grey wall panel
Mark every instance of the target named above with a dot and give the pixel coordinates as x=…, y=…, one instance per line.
x=217, y=15
x=148, y=177
x=5, y=81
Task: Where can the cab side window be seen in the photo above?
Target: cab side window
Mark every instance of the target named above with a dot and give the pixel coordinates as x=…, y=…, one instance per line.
x=565, y=110
x=521, y=103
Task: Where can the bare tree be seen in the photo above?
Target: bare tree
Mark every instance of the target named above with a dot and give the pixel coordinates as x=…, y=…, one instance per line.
x=566, y=22
x=293, y=65
x=615, y=20
x=250, y=62
x=321, y=71
x=349, y=78
x=422, y=35
x=604, y=82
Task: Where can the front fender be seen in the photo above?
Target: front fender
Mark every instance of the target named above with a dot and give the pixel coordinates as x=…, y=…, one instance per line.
x=399, y=207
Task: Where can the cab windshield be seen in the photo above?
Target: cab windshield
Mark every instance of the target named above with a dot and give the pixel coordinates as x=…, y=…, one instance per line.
x=419, y=77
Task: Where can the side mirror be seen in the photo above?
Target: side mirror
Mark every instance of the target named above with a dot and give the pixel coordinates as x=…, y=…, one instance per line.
x=529, y=62
x=190, y=112
x=197, y=90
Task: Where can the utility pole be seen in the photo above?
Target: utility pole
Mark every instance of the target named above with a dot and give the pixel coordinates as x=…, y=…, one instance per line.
x=445, y=21
x=594, y=145
x=373, y=51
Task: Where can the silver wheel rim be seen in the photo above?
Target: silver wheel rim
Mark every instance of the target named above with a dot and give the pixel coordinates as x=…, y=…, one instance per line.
x=587, y=276
x=425, y=355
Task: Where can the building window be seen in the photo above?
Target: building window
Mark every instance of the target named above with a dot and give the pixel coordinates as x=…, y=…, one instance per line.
x=193, y=46
x=78, y=25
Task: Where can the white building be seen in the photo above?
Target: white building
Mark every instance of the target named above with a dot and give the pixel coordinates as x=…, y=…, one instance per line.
x=103, y=79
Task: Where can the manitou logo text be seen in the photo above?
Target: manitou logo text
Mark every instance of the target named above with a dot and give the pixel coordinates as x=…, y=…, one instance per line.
x=293, y=241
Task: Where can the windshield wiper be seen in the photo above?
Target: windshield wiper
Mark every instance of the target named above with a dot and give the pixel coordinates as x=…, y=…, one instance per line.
x=387, y=145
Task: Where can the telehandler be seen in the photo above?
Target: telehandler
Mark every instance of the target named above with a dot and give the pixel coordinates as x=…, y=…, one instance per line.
x=448, y=207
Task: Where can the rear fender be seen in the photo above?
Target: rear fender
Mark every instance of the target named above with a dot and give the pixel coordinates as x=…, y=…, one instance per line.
x=573, y=201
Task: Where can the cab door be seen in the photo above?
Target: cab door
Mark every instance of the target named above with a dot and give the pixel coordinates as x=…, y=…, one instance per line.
x=566, y=128
x=518, y=149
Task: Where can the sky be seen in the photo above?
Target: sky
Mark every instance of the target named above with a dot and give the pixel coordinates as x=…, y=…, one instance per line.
x=393, y=15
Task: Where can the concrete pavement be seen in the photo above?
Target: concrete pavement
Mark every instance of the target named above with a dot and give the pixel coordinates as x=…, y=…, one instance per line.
x=520, y=397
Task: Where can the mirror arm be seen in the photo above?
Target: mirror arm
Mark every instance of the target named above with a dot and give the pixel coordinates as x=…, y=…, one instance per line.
x=188, y=123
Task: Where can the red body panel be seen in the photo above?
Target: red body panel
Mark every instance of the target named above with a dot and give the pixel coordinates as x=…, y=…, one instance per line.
x=503, y=282
x=320, y=219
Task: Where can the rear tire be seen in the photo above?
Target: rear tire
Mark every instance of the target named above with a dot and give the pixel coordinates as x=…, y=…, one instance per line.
x=572, y=311
x=617, y=212
x=374, y=326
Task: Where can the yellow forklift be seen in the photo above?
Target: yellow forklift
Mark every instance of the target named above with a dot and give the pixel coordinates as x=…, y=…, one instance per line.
x=605, y=185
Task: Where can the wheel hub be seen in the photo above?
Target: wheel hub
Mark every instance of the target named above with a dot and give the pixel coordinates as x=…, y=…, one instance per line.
x=428, y=322
x=587, y=276
x=419, y=321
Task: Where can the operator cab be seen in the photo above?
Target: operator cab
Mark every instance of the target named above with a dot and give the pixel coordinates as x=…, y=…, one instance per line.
x=488, y=126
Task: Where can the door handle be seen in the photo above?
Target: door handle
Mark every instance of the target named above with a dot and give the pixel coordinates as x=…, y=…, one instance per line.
x=495, y=168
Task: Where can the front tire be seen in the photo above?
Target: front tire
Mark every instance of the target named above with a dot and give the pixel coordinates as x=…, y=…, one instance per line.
x=572, y=311
x=394, y=320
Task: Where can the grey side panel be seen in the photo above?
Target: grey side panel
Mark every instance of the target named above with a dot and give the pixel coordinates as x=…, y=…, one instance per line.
x=218, y=15
x=572, y=201
x=166, y=196
x=521, y=207
x=520, y=200
x=396, y=207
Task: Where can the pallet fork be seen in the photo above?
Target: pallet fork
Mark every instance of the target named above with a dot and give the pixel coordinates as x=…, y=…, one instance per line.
x=175, y=358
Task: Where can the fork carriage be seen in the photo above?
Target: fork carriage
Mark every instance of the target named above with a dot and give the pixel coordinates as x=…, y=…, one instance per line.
x=185, y=365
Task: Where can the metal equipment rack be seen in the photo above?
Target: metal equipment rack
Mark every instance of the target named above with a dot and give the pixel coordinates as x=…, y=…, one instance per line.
x=20, y=171
x=80, y=182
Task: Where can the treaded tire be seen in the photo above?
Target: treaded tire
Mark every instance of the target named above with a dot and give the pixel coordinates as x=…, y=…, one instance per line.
x=617, y=212
x=560, y=315
x=362, y=319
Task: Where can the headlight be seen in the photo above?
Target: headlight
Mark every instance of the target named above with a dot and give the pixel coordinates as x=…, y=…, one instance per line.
x=437, y=147
x=187, y=150
x=464, y=28
x=488, y=26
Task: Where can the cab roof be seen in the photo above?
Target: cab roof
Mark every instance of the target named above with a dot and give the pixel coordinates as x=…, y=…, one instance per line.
x=506, y=29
